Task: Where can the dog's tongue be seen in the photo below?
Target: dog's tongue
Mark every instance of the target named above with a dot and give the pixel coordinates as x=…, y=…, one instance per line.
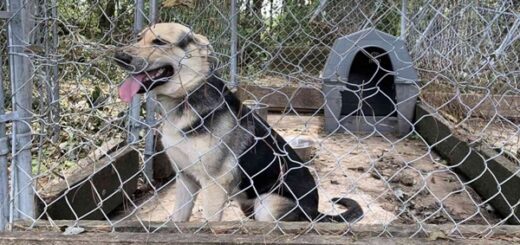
x=131, y=86
x=133, y=83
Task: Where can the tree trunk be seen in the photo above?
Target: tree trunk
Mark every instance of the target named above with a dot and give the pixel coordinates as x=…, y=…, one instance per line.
x=107, y=14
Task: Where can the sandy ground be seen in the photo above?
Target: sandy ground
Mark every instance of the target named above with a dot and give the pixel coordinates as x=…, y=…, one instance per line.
x=495, y=133
x=395, y=180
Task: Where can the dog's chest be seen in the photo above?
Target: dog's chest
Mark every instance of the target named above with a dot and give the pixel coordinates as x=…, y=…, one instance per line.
x=185, y=149
x=199, y=155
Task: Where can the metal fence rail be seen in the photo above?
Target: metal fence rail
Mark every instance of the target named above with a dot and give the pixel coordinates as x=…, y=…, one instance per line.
x=71, y=149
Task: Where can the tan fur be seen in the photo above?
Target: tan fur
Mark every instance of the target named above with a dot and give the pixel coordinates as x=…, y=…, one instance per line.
x=191, y=65
x=192, y=156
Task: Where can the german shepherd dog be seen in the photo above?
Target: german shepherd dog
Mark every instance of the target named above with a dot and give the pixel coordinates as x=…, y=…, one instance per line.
x=218, y=147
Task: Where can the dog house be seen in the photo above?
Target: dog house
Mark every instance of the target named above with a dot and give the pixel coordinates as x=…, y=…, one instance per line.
x=369, y=84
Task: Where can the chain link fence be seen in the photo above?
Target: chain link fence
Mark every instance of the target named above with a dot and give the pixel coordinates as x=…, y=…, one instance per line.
x=70, y=149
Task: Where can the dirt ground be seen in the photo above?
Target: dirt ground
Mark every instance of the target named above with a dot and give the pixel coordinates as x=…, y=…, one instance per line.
x=395, y=180
x=498, y=133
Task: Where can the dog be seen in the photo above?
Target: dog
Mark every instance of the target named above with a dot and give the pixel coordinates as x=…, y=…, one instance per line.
x=218, y=147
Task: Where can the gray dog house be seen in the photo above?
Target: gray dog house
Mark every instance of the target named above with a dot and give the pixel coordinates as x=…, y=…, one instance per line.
x=369, y=84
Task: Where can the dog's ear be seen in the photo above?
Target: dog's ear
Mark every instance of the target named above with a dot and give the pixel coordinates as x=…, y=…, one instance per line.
x=204, y=41
x=201, y=40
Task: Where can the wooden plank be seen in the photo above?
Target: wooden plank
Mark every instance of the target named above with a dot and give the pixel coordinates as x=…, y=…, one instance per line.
x=288, y=228
x=494, y=178
x=162, y=167
x=479, y=105
x=102, y=151
x=311, y=99
x=25, y=238
x=301, y=99
x=79, y=195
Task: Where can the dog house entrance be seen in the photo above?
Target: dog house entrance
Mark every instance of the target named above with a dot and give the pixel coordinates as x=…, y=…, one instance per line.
x=370, y=82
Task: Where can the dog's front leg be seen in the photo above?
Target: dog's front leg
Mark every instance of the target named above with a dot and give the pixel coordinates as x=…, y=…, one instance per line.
x=215, y=197
x=186, y=193
x=216, y=194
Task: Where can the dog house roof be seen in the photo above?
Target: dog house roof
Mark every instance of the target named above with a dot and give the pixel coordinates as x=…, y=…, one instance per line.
x=337, y=67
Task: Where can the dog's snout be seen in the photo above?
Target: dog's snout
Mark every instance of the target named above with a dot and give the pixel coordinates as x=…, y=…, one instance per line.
x=123, y=58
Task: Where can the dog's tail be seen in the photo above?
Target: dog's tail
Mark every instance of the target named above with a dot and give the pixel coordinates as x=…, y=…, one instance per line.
x=354, y=212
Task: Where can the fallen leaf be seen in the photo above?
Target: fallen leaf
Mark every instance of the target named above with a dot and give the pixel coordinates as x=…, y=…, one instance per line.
x=73, y=230
x=436, y=235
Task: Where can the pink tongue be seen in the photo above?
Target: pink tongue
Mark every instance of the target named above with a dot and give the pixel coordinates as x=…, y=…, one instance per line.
x=131, y=86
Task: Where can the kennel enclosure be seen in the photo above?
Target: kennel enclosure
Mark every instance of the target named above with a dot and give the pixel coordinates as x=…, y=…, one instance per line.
x=74, y=157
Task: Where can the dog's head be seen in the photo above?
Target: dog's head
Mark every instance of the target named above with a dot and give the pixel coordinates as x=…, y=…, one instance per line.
x=167, y=58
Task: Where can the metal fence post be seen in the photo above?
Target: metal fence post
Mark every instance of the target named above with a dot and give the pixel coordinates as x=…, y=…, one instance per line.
x=153, y=11
x=21, y=84
x=234, y=45
x=135, y=105
x=149, y=144
x=4, y=150
x=404, y=12
x=54, y=82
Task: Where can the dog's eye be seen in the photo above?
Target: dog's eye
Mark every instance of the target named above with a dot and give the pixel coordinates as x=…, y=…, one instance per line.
x=185, y=41
x=159, y=42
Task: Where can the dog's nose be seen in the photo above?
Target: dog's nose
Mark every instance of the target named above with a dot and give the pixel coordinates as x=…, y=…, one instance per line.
x=123, y=58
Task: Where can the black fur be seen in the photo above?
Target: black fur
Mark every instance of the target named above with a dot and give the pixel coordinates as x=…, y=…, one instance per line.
x=185, y=41
x=262, y=171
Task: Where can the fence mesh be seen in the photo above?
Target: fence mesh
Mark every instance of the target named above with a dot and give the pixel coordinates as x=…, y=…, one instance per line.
x=83, y=165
